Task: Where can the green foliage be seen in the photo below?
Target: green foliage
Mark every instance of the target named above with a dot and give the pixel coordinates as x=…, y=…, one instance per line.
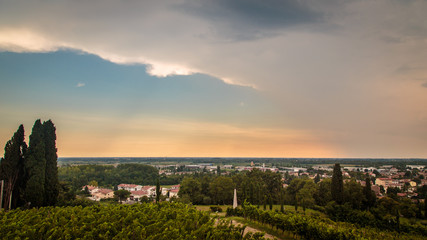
x=12, y=168
x=316, y=227
x=121, y=194
x=254, y=186
x=323, y=193
x=385, y=216
x=191, y=189
x=31, y=174
x=108, y=175
x=51, y=186
x=66, y=194
x=216, y=209
x=138, y=221
x=158, y=192
x=317, y=178
x=35, y=167
x=221, y=190
x=305, y=194
x=258, y=187
x=370, y=197
x=337, y=186
x=294, y=192
x=353, y=194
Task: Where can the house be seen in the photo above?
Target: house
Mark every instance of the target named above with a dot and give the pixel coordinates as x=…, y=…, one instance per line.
x=136, y=195
x=165, y=191
x=151, y=190
x=385, y=182
x=102, y=193
x=90, y=188
x=129, y=187
x=173, y=193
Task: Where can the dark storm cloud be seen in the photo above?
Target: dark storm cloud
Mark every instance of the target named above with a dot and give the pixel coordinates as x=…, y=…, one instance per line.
x=251, y=19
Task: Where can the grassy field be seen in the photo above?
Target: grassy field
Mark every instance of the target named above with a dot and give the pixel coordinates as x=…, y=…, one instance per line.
x=288, y=208
x=208, y=207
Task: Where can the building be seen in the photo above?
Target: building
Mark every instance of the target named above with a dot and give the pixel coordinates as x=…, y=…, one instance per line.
x=173, y=193
x=137, y=195
x=102, y=193
x=90, y=188
x=129, y=187
x=385, y=182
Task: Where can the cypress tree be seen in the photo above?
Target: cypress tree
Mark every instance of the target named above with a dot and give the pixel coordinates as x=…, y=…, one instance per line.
x=12, y=168
x=158, y=190
x=265, y=202
x=425, y=208
x=369, y=195
x=317, y=178
x=337, y=186
x=51, y=185
x=282, y=208
x=35, y=166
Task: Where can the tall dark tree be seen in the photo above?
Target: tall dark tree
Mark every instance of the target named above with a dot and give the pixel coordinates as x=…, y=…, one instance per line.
x=425, y=209
x=158, y=193
x=369, y=194
x=337, y=186
x=317, y=178
x=12, y=168
x=51, y=185
x=282, y=208
x=35, y=166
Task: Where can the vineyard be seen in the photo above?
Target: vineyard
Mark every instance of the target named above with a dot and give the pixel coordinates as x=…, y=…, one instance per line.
x=139, y=221
x=316, y=227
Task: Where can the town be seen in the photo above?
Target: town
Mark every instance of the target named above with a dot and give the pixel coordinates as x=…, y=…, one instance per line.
x=404, y=180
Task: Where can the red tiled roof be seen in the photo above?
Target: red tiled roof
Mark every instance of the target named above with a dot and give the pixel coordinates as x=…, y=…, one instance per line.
x=104, y=190
x=139, y=193
x=128, y=185
x=89, y=187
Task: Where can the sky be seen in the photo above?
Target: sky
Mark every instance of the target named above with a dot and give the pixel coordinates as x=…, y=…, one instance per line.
x=224, y=78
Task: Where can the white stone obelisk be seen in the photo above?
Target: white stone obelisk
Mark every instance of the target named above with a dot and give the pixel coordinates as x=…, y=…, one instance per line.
x=235, y=199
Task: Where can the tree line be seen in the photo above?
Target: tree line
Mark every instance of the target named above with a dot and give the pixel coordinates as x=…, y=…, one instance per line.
x=110, y=176
x=30, y=173
x=256, y=186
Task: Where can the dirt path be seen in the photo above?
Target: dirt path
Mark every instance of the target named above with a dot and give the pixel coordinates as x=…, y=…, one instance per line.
x=253, y=230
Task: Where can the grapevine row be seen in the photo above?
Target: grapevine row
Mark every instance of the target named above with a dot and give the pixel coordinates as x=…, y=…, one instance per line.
x=313, y=227
x=139, y=221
